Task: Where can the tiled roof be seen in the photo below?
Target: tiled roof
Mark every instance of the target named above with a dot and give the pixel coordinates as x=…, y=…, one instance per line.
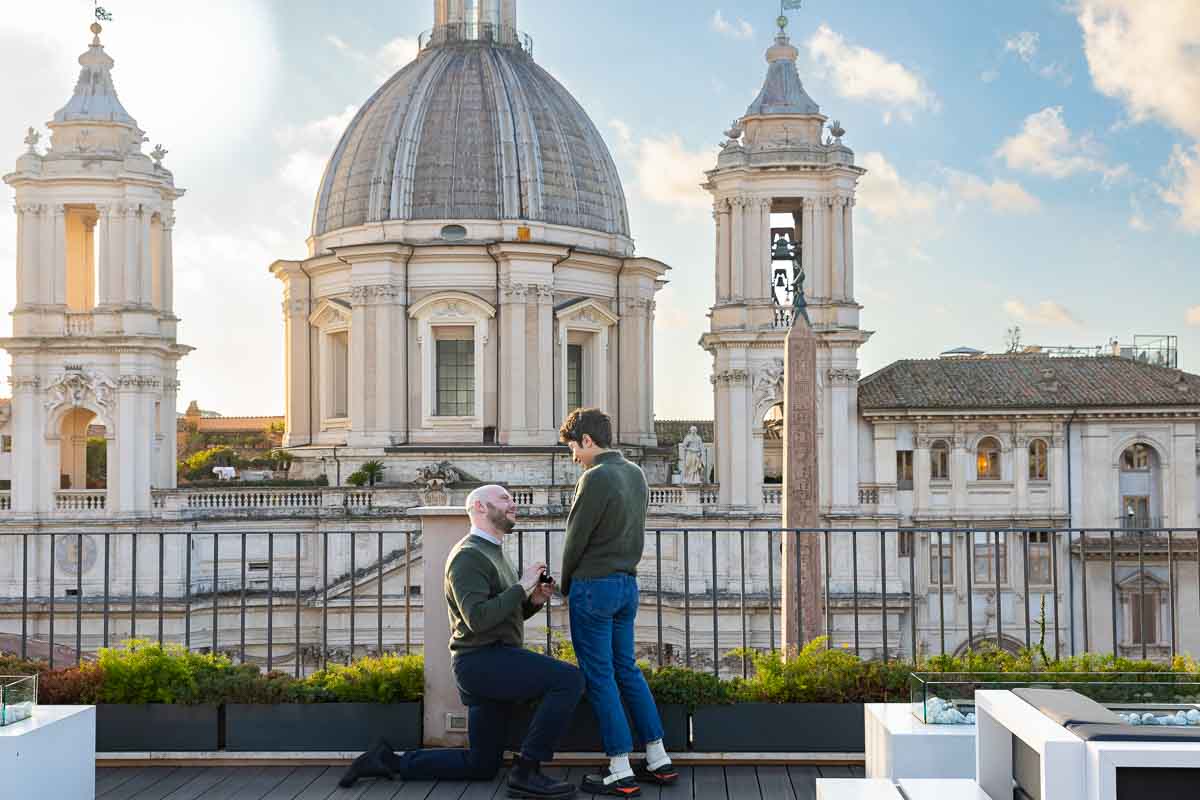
x=670, y=432
x=1026, y=381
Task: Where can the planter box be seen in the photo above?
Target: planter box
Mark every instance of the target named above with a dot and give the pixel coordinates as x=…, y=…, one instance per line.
x=779, y=728
x=155, y=727
x=341, y=727
x=583, y=734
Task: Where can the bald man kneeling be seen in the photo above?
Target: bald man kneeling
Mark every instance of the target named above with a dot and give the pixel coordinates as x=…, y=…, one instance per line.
x=488, y=606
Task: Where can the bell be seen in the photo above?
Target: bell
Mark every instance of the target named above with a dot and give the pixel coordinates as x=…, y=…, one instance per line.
x=781, y=250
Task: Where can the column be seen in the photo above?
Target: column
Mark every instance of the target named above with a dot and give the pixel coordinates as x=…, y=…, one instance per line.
x=511, y=380
x=547, y=432
x=360, y=368
x=1020, y=465
x=837, y=273
x=808, y=239
x=28, y=232
x=53, y=253
x=848, y=249
x=737, y=248
x=167, y=477
x=721, y=219
x=646, y=423
x=760, y=270
x=296, y=367
x=130, y=256
x=922, y=469
x=819, y=272
x=167, y=264
x=844, y=485
x=105, y=254
x=508, y=13
x=145, y=259
x=960, y=472
x=30, y=448
x=1058, y=472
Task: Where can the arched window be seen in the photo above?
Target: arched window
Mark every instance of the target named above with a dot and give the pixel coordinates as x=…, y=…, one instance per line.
x=1136, y=458
x=987, y=459
x=1039, y=460
x=939, y=461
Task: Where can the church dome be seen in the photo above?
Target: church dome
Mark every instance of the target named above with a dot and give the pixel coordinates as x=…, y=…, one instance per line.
x=472, y=130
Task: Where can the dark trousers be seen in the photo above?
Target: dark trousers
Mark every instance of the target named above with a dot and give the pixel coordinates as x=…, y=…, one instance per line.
x=490, y=681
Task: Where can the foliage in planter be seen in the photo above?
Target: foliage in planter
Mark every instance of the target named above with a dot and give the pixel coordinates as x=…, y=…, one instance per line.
x=72, y=686
x=816, y=674
x=357, y=478
x=143, y=672
x=691, y=688
x=385, y=679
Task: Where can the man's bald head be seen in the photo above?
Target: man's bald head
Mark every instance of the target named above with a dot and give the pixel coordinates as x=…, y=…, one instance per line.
x=492, y=509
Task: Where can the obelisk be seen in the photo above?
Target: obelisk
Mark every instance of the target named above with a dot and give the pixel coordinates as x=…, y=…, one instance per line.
x=801, y=612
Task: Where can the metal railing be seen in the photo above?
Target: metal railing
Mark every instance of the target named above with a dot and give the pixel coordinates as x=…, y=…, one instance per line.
x=489, y=32
x=303, y=598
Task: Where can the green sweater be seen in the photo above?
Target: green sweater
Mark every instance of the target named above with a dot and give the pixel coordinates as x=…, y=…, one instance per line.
x=484, y=597
x=606, y=528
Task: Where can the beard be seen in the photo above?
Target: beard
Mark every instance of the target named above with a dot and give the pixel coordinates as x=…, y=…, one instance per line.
x=499, y=519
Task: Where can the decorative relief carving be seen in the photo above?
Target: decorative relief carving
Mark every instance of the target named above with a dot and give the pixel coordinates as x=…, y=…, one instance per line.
x=768, y=385
x=733, y=377
x=77, y=387
x=514, y=292
x=25, y=383
x=845, y=377
x=139, y=382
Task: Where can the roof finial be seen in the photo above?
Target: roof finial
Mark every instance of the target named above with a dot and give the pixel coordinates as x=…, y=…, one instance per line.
x=784, y=7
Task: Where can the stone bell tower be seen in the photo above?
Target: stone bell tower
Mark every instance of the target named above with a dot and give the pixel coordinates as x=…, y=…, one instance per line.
x=93, y=341
x=777, y=161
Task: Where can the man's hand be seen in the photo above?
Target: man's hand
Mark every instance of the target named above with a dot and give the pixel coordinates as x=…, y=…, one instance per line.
x=542, y=594
x=529, y=580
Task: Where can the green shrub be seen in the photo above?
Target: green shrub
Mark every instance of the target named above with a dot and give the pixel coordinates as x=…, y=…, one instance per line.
x=386, y=679
x=144, y=672
x=675, y=685
x=358, y=478
x=76, y=686
x=374, y=471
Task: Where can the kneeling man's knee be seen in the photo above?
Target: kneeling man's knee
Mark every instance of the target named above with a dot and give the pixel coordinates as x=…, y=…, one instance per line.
x=573, y=680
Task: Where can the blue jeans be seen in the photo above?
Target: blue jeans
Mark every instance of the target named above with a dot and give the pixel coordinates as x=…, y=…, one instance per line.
x=490, y=680
x=602, y=614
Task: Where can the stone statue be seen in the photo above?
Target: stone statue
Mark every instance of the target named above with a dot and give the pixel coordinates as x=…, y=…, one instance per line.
x=693, y=457
x=799, y=303
x=31, y=138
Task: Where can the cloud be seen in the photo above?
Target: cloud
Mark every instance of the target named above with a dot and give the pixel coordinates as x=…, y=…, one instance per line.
x=1002, y=196
x=1056, y=72
x=989, y=75
x=1047, y=312
x=385, y=61
x=308, y=148
x=859, y=73
x=1046, y=146
x=666, y=171
x=1147, y=55
x=1193, y=316
x=1024, y=44
x=883, y=192
x=737, y=30
x=1183, y=188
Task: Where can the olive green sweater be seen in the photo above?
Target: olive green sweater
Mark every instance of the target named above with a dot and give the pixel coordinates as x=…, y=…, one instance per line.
x=484, y=597
x=606, y=528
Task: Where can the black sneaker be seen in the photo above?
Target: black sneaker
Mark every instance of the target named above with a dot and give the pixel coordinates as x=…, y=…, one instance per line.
x=526, y=780
x=368, y=765
x=604, y=784
x=663, y=775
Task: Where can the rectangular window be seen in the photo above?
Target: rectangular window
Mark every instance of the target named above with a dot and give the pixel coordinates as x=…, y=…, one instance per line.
x=574, y=376
x=904, y=469
x=1039, y=558
x=939, y=462
x=7, y=443
x=947, y=558
x=986, y=555
x=904, y=544
x=339, y=365
x=455, y=378
x=1144, y=613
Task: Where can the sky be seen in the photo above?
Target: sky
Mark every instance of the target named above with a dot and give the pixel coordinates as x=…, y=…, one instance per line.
x=1030, y=162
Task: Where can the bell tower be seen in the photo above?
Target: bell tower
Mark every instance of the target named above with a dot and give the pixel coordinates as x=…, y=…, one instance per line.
x=94, y=355
x=783, y=201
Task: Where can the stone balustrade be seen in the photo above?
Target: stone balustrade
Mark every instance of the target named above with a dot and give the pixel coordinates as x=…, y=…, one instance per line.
x=90, y=501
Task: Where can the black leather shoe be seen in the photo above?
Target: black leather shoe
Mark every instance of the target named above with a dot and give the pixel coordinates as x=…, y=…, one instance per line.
x=368, y=765
x=602, y=784
x=526, y=780
x=664, y=775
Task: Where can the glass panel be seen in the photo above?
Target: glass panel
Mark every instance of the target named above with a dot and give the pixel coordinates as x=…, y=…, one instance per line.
x=904, y=469
x=339, y=357
x=1038, y=466
x=18, y=696
x=574, y=376
x=939, y=467
x=455, y=378
x=947, y=558
x=1144, y=617
x=1039, y=558
x=985, y=556
x=988, y=460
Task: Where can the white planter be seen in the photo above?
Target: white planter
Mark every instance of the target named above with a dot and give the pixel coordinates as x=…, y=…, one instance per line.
x=1001, y=715
x=898, y=745
x=943, y=789
x=856, y=789
x=51, y=755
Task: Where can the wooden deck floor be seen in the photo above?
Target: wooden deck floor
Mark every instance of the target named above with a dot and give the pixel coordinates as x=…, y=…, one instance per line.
x=320, y=783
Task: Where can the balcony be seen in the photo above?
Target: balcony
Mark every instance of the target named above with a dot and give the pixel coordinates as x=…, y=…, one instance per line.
x=80, y=324
x=81, y=502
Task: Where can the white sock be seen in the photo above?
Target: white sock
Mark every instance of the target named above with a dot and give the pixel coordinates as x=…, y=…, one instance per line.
x=618, y=768
x=656, y=754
